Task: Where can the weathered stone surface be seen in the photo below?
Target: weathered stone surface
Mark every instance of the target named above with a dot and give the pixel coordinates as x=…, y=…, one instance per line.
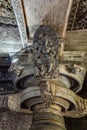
x=8, y=21
x=76, y=40
x=14, y=121
x=48, y=12
x=81, y=16
x=6, y=9
x=9, y=39
x=6, y=13
x=32, y=14
x=78, y=15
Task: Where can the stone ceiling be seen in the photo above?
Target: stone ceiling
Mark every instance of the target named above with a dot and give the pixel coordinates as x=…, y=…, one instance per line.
x=77, y=20
x=14, y=34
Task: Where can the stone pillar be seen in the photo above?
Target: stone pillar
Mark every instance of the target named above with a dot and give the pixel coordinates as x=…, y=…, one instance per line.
x=47, y=121
x=46, y=111
x=49, y=87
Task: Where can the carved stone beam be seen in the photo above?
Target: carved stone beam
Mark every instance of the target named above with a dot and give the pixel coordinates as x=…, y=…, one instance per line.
x=76, y=40
x=12, y=102
x=19, y=13
x=63, y=96
x=67, y=16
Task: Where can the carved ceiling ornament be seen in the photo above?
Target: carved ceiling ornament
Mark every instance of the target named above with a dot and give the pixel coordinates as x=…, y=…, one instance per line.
x=6, y=9
x=81, y=17
x=78, y=15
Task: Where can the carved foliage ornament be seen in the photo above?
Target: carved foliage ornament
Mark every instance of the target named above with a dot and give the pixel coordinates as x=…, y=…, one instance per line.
x=46, y=53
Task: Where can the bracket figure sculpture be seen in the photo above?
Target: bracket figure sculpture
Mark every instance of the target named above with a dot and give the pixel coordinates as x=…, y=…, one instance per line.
x=46, y=60
x=46, y=52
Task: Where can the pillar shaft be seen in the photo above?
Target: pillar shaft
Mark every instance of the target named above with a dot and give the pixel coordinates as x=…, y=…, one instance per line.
x=47, y=121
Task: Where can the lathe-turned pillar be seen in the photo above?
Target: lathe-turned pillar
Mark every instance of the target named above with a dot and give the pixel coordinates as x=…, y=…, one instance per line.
x=50, y=87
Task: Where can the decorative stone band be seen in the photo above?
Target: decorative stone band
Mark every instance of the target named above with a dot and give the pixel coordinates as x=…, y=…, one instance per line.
x=78, y=104
x=59, y=92
x=50, y=102
x=63, y=97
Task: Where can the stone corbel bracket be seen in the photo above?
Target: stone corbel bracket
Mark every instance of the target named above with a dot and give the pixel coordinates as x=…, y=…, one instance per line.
x=20, y=17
